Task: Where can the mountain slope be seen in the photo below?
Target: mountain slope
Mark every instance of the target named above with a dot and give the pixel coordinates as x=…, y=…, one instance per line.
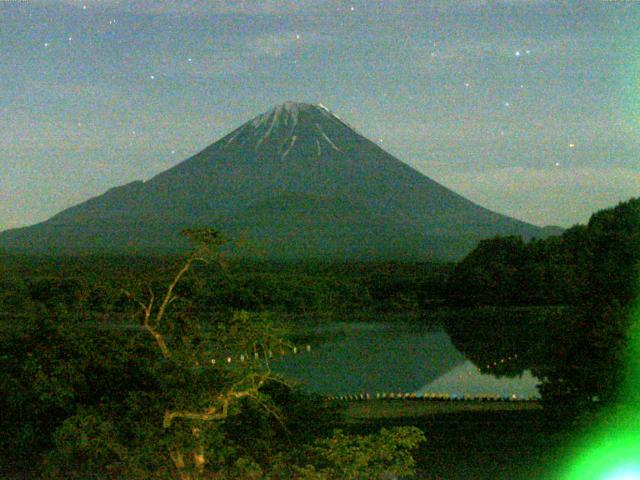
x=296, y=180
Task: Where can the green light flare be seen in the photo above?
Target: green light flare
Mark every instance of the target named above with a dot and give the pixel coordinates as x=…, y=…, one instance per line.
x=609, y=454
x=630, y=472
x=611, y=450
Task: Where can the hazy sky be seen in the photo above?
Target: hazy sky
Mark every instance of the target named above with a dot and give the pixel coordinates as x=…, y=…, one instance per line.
x=528, y=107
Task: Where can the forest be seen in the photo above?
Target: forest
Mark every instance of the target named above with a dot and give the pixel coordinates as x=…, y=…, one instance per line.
x=105, y=360
x=587, y=279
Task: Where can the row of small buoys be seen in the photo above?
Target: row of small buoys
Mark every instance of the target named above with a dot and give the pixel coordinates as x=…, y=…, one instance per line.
x=244, y=357
x=376, y=396
x=508, y=358
x=433, y=396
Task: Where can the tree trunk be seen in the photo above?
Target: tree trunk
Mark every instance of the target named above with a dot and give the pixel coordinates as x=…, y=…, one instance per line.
x=178, y=461
x=198, y=452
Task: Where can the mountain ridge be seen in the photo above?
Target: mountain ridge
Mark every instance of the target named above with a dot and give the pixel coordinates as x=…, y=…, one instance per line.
x=295, y=151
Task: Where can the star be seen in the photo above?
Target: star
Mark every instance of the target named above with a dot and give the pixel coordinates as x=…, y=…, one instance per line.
x=173, y=152
x=507, y=104
x=297, y=36
x=46, y=44
x=70, y=38
x=189, y=59
x=528, y=52
x=152, y=77
x=572, y=145
x=353, y=9
x=517, y=53
x=557, y=164
x=84, y=7
x=466, y=84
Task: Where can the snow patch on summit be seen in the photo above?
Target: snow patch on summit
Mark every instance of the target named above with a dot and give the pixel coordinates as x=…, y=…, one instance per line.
x=293, y=140
x=324, y=135
x=274, y=120
x=281, y=122
x=233, y=137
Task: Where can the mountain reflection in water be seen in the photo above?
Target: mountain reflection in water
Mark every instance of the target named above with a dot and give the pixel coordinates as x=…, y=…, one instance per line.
x=358, y=357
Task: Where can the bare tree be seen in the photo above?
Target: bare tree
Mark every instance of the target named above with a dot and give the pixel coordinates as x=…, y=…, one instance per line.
x=237, y=353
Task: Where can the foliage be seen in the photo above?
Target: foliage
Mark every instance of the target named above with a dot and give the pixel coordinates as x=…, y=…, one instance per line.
x=508, y=271
x=112, y=384
x=520, y=334
x=592, y=270
x=386, y=454
x=92, y=285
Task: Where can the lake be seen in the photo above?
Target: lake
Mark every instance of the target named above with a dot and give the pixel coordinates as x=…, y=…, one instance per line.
x=385, y=356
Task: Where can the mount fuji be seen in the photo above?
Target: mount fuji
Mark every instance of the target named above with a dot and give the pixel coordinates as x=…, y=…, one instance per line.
x=297, y=182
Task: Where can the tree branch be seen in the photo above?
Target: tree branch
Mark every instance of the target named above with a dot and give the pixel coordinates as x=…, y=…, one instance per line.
x=221, y=410
x=168, y=297
x=166, y=352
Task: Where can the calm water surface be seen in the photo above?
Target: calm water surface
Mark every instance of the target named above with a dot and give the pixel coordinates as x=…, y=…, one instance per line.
x=383, y=356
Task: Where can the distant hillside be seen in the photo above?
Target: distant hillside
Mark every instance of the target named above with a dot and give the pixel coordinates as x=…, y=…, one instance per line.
x=297, y=182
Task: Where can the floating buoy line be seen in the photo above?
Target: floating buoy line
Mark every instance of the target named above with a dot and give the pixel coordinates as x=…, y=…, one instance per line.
x=488, y=397
x=439, y=396
x=267, y=354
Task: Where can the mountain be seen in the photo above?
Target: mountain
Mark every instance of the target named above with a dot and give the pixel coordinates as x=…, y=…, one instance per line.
x=297, y=182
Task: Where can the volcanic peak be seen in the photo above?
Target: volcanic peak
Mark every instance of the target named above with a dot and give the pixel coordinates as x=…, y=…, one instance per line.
x=288, y=113
x=287, y=123
x=264, y=179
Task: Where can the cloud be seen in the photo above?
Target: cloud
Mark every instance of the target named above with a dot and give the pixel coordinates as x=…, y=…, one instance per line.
x=270, y=45
x=222, y=59
x=245, y=7
x=280, y=43
x=197, y=7
x=521, y=48
x=275, y=7
x=546, y=195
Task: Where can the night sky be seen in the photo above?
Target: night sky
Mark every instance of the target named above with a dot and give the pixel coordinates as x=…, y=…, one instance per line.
x=528, y=107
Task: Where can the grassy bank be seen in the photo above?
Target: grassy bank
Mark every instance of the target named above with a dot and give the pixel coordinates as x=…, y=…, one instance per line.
x=363, y=411
x=471, y=440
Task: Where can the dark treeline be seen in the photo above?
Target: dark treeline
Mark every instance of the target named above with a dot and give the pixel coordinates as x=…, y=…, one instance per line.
x=95, y=284
x=587, y=263
x=588, y=278
x=83, y=400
